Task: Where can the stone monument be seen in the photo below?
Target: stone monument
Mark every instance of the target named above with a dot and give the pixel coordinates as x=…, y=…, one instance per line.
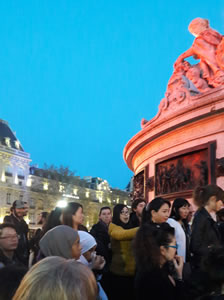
x=183, y=145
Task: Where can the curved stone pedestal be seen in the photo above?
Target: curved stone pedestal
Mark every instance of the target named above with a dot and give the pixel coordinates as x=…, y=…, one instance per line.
x=181, y=147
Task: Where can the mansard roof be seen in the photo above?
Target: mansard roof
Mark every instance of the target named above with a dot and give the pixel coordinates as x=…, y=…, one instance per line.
x=8, y=138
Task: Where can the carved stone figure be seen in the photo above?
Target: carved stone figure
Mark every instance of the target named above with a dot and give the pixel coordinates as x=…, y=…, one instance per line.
x=194, y=75
x=189, y=80
x=138, y=191
x=220, y=167
x=208, y=47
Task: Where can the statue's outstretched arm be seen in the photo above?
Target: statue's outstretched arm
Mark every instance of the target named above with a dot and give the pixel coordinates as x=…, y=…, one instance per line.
x=184, y=55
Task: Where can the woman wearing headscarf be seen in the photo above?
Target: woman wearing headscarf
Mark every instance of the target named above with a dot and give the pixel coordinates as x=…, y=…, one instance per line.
x=89, y=258
x=61, y=241
x=122, y=267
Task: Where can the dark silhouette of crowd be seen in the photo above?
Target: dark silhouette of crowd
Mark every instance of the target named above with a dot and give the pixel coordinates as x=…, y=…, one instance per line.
x=162, y=249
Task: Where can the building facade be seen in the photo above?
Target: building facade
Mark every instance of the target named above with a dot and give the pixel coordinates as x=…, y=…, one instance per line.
x=43, y=189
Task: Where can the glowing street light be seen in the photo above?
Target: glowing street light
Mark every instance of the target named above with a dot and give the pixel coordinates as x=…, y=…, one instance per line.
x=61, y=203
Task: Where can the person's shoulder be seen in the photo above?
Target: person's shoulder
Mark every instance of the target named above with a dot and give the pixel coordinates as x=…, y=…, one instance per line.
x=97, y=225
x=173, y=223
x=8, y=219
x=112, y=227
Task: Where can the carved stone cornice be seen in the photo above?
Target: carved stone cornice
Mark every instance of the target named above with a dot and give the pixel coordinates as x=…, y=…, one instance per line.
x=17, y=160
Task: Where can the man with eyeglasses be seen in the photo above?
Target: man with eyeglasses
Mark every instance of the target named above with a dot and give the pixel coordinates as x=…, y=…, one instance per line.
x=8, y=244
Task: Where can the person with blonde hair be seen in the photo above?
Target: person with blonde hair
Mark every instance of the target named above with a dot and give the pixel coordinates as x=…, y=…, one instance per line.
x=55, y=278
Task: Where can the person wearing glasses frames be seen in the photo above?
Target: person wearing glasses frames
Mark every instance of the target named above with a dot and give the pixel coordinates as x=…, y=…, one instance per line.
x=8, y=244
x=122, y=268
x=155, y=251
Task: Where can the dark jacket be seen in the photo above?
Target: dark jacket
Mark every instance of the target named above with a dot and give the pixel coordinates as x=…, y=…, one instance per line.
x=5, y=261
x=212, y=297
x=134, y=220
x=221, y=231
x=204, y=234
x=155, y=285
x=100, y=232
x=22, y=229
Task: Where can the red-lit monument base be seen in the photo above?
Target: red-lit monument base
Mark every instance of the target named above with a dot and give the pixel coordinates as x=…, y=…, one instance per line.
x=183, y=146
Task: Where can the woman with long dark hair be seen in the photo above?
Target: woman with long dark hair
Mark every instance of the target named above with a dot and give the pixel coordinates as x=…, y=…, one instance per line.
x=154, y=248
x=178, y=220
x=122, y=268
x=72, y=215
x=205, y=233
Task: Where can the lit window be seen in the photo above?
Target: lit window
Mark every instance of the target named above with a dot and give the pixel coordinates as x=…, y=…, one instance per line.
x=20, y=173
x=61, y=188
x=117, y=200
x=45, y=186
x=3, y=176
x=17, y=144
x=8, y=171
x=7, y=141
x=31, y=218
x=29, y=182
x=87, y=194
x=16, y=179
x=125, y=202
x=75, y=191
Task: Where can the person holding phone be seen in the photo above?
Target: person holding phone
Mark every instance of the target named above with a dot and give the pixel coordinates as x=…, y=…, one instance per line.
x=155, y=251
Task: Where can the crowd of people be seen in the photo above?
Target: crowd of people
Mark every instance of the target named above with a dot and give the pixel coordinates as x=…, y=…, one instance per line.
x=160, y=250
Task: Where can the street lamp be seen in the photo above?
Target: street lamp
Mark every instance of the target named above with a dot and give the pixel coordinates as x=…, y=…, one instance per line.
x=61, y=203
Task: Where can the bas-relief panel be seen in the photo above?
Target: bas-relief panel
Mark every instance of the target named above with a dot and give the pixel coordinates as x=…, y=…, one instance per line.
x=139, y=186
x=182, y=173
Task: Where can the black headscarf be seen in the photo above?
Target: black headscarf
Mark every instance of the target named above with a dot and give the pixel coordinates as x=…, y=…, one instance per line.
x=116, y=217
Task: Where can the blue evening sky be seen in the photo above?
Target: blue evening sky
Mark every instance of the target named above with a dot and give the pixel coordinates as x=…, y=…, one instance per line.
x=77, y=76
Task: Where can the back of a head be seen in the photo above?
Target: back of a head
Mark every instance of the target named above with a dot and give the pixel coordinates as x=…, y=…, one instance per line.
x=202, y=194
x=55, y=278
x=147, y=244
x=155, y=205
x=53, y=219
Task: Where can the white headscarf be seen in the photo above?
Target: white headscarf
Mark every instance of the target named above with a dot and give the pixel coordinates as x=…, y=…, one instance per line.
x=87, y=241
